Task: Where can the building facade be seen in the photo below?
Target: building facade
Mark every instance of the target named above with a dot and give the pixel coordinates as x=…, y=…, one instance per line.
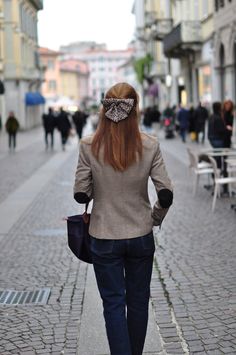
x=65, y=80
x=21, y=67
x=102, y=65
x=224, y=50
x=50, y=63
x=74, y=77
x=196, y=39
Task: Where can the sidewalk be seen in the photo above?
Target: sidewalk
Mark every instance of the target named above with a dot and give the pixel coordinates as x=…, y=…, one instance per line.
x=192, y=308
x=23, y=140
x=29, y=256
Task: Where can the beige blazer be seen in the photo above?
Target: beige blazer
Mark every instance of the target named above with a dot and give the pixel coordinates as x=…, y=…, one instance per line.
x=121, y=207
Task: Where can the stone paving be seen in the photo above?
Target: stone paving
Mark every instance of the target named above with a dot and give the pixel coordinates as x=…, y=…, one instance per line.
x=196, y=263
x=193, y=284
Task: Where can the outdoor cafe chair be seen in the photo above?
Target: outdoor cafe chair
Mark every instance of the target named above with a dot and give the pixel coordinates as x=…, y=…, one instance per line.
x=218, y=180
x=198, y=168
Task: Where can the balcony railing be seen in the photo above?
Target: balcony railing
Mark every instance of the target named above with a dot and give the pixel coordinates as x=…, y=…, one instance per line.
x=183, y=38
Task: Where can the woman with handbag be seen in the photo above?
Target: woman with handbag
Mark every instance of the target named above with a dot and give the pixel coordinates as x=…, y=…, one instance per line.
x=113, y=169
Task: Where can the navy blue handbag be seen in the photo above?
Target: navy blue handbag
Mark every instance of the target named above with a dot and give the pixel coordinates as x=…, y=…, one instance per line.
x=78, y=236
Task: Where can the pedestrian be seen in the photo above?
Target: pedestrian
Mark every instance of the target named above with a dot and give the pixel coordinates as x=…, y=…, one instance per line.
x=228, y=114
x=113, y=170
x=0, y=123
x=192, y=124
x=79, y=119
x=183, y=119
x=168, y=121
x=217, y=129
x=64, y=127
x=12, y=127
x=49, y=126
x=201, y=116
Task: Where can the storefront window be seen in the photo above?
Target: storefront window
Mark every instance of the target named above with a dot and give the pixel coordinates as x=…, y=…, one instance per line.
x=204, y=84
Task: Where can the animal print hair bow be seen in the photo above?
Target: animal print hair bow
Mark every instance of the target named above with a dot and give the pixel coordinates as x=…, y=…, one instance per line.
x=117, y=109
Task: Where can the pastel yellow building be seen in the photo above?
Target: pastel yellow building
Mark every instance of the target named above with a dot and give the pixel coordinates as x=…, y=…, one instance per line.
x=74, y=76
x=22, y=74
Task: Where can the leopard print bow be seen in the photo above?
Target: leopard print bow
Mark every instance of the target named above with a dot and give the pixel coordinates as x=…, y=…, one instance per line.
x=117, y=109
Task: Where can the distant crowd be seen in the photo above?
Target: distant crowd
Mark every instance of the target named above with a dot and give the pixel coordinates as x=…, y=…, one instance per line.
x=65, y=123
x=175, y=120
x=194, y=121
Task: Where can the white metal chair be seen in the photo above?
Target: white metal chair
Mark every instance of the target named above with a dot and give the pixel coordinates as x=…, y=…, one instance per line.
x=202, y=168
x=218, y=180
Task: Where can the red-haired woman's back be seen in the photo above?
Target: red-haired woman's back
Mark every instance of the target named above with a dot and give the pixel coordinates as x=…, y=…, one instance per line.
x=113, y=169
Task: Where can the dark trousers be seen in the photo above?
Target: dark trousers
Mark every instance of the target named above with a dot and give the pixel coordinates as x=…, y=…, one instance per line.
x=123, y=270
x=49, y=133
x=217, y=143
x=12, y=140
x=64, y=137
x=183, y=132
x=79, y=130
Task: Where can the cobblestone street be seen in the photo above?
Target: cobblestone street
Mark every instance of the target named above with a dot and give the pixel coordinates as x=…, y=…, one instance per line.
x=193, y=285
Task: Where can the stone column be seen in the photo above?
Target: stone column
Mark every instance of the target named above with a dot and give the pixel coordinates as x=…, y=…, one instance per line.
x=216, y=85
x=195, y=94
x=230, y=82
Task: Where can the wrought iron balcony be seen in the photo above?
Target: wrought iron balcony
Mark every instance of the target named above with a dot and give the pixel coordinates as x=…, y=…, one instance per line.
x=184, y=38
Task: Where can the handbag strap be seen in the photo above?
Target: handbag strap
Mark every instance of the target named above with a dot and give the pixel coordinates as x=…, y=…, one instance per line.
x=85, y=215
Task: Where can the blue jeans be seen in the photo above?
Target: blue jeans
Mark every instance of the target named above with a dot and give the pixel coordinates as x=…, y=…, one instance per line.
x=123, y=270
x=183, y=134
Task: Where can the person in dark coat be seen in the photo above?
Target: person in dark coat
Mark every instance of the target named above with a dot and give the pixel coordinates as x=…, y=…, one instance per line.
x=201, y=115
x=12, y=127
x=217, y=129
x=79, y=119
x=64, y=127
x=183, y=119
x=228, y=114
x=49, y=126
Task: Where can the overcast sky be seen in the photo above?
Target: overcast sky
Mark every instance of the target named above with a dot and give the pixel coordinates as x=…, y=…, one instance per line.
x=103, y=21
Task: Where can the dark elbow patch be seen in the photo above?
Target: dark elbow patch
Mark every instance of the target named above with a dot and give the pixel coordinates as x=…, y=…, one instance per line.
x=165, y=198
x=81, y=197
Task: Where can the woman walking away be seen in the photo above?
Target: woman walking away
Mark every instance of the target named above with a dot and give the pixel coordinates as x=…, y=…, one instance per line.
x=113, y=169
x=12, y=127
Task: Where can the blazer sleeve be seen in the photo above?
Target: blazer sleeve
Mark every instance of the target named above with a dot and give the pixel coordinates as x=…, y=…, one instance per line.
x=163, y=188
x=83, y=176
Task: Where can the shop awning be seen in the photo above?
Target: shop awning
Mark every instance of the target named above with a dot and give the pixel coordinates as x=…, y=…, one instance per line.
x=34, y=99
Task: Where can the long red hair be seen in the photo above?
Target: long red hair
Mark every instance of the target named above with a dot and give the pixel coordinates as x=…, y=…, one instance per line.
x=121, y=142
x=228, y=106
